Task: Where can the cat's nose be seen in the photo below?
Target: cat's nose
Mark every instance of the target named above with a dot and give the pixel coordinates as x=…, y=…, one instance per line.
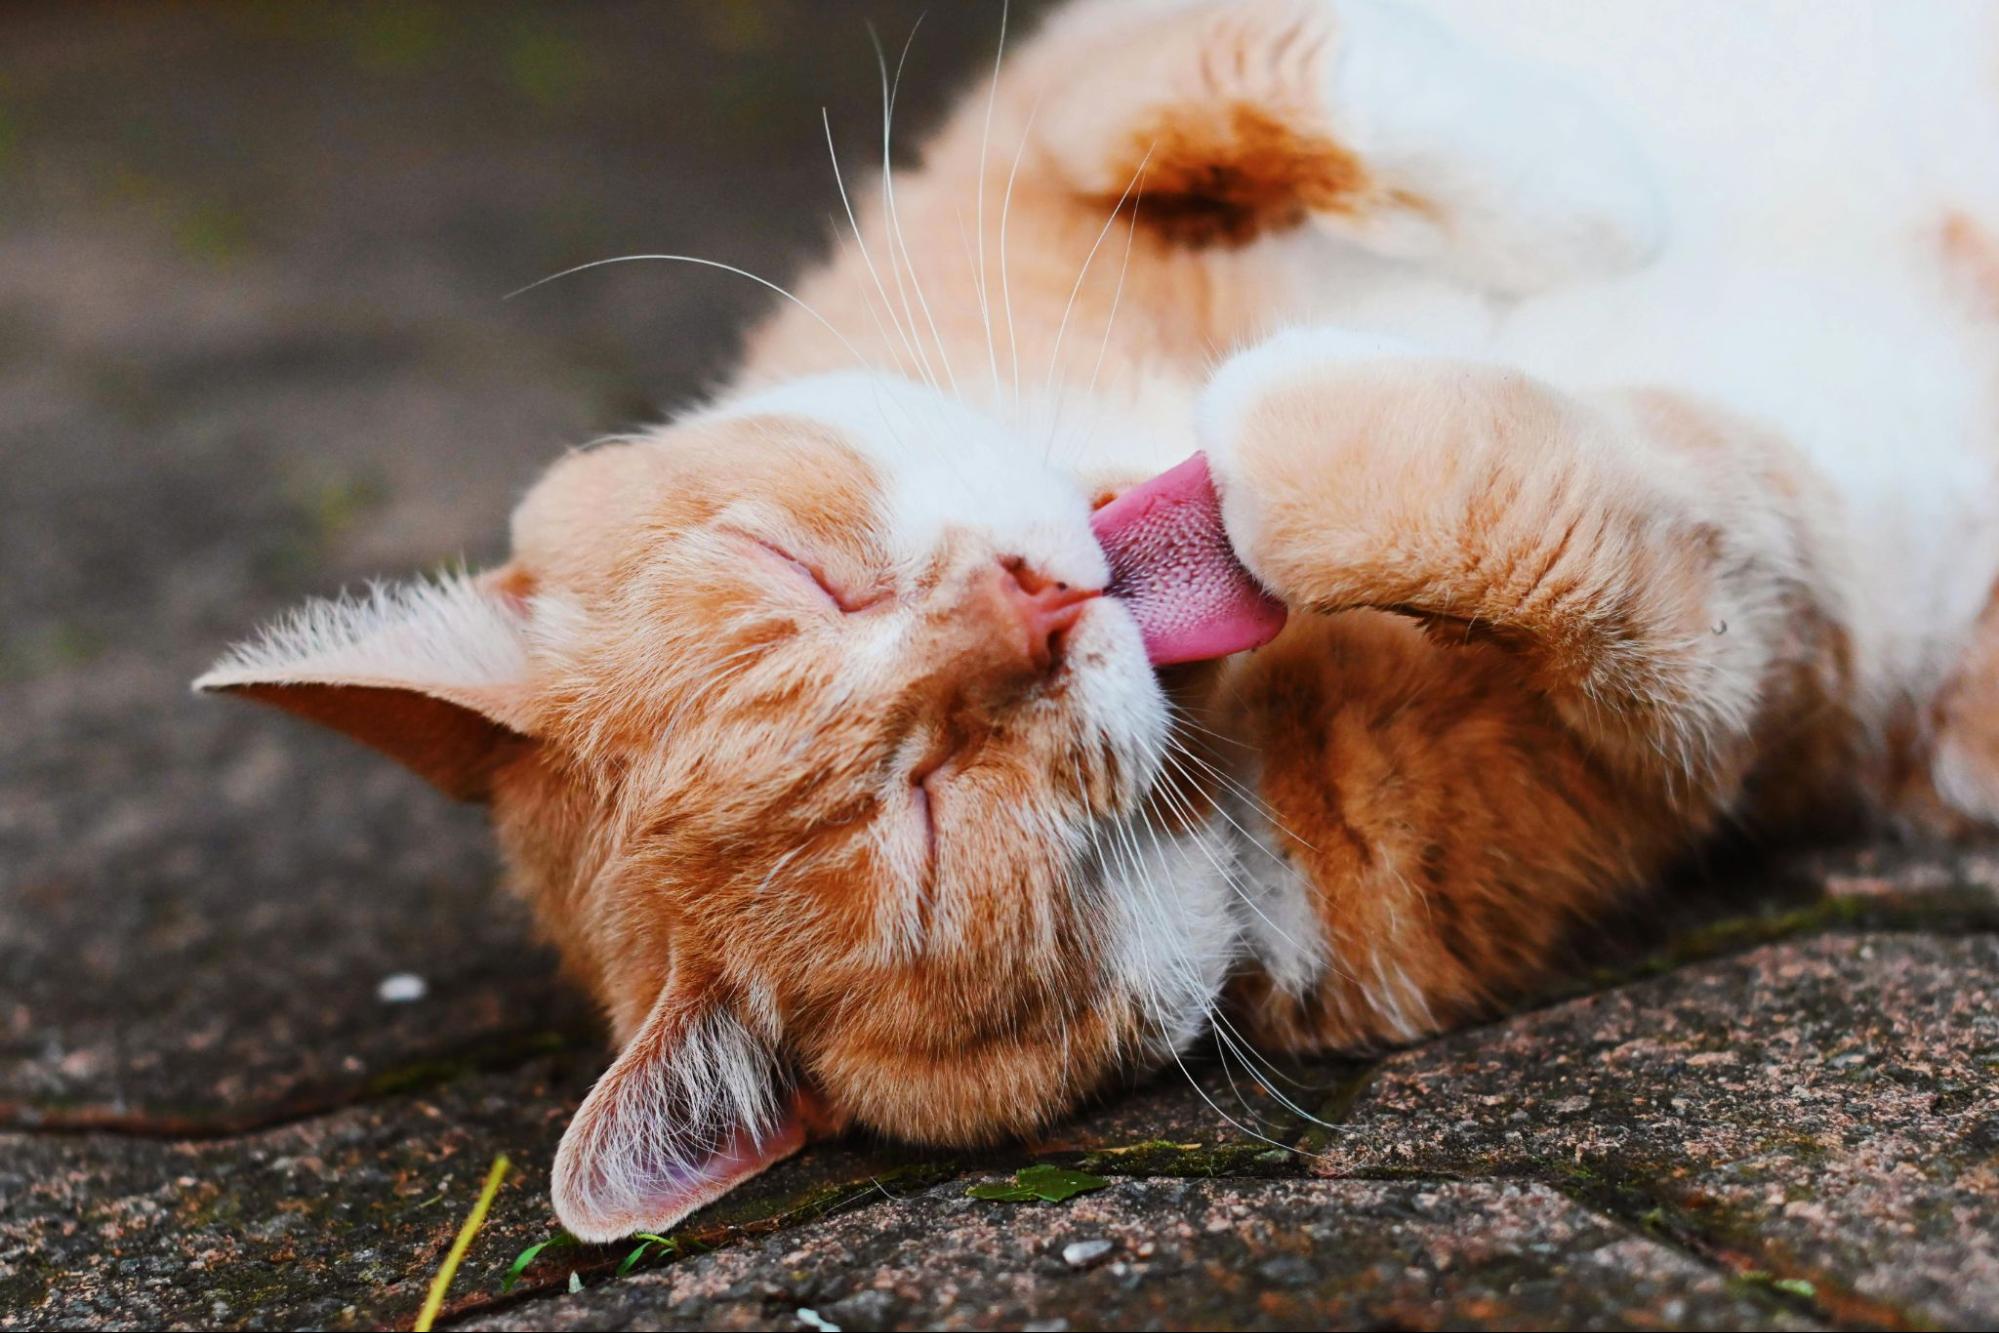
x=1042, y=608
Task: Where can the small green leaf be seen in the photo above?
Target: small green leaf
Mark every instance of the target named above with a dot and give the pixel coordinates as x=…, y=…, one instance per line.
x=1002, y=1193
x=529, y=1255
x=575, y=1282
x=632, y=1259
x=1050, y=1184
x=1796, y=1286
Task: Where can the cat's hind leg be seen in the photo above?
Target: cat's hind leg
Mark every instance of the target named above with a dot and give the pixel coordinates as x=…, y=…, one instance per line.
x=1366, y=120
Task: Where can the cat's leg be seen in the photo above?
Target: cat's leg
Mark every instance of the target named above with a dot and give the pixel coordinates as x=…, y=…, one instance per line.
x=1602, y=617
x=1235, y=118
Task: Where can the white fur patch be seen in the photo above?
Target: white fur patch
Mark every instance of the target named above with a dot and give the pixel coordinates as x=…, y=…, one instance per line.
x=947, y=466
x=1525, y=182
x=1278, y=910
x=1169, y=933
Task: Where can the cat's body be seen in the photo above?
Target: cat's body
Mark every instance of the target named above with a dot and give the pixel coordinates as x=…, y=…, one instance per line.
x=1723, y=555
x=1819, y=172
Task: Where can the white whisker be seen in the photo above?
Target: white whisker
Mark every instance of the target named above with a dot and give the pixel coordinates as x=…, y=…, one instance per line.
x=1103, y=346
x=1062, y=328
x=703, y=263
x=895, y=216
x=985, y=140
x=867, y=259
x=890, y=220
x=1006, y=209
x=1258, y=1135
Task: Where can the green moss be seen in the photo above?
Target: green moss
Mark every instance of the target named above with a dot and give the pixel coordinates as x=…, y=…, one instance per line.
x=1044, y=1182
x=1705, y=1226
x=1792, y=1290
x=766, y=1205
x=745, y=1212
x=1337, y=1109
x=1162, y=1157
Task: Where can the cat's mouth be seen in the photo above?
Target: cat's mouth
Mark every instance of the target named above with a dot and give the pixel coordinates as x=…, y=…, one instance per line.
x=1173, y=570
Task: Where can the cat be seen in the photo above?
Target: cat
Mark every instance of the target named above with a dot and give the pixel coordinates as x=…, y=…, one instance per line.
x=1610, y=393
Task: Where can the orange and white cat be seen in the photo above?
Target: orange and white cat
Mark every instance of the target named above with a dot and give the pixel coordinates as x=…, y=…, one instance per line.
x=1611, y=392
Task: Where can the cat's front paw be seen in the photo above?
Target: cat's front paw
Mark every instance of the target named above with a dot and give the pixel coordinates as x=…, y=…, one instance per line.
x=1255, y=420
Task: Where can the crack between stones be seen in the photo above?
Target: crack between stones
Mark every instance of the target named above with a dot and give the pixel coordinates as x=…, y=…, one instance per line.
x=1664, y=1223
x=866, y=1199
x=858, y=1198
x=420, y=1076
x=1688, y=1245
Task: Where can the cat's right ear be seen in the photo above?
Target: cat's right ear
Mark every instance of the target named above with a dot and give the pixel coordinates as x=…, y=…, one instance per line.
x=431, y=673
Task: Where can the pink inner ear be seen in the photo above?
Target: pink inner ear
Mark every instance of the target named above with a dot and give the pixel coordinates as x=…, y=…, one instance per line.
x=1173, y=568
x=614, y=1177
x=741, y=1156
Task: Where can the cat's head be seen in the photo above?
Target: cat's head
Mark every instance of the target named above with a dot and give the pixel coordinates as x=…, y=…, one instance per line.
x=807, y=730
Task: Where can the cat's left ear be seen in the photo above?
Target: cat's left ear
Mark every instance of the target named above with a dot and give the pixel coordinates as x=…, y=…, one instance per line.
x=431, y=673
x=694, y=1105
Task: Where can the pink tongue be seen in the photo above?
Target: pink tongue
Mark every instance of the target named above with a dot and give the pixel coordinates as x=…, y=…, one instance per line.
x=1173, y=568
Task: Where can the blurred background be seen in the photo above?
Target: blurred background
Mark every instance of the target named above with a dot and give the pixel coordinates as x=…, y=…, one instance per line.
x=253, y=346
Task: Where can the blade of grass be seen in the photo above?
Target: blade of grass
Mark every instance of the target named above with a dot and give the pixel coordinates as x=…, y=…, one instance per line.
x=647, y=1240
x=529, y=1255
x=449, y=1268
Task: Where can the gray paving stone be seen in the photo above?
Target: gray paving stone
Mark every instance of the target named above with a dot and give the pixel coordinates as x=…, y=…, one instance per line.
x=1190, y=1254
x=1825, y=1110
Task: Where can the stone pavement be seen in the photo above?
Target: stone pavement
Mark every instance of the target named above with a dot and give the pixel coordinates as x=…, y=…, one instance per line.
x=264, y=1020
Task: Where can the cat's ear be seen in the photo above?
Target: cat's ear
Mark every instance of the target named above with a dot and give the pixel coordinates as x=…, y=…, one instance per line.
x=694, y=1105
x=431, y=673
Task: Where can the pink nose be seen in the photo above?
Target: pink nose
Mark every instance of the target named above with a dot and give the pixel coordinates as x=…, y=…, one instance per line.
x=1046, y=609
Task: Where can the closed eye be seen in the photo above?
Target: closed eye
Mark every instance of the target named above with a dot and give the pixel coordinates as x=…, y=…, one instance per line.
x=813, y=574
